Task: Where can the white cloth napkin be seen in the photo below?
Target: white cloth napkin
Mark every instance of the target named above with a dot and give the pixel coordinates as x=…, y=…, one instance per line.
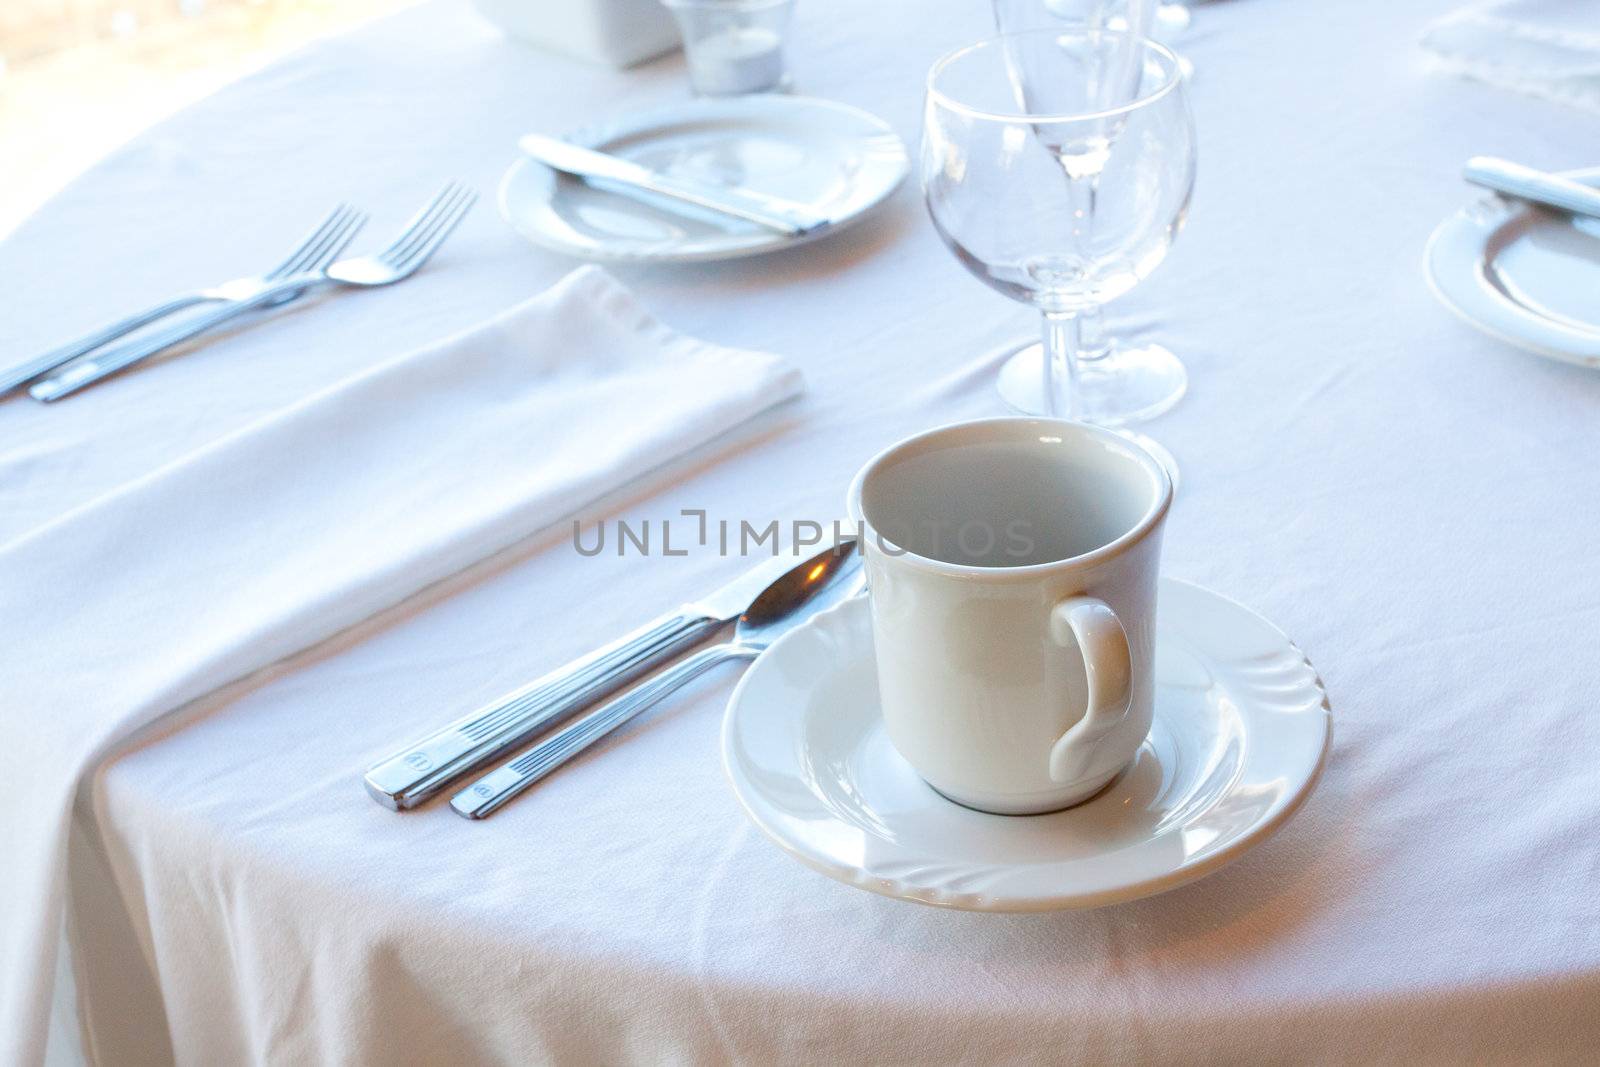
x=1547, y=48
x=307, y=522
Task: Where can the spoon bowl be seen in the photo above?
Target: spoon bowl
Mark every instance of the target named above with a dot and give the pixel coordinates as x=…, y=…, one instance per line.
x=807, y=589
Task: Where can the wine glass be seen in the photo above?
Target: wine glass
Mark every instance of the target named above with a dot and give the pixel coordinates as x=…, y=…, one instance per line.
x=1163, y=21
x=1057, y=164
x=1129, y=16
x=1152, y=378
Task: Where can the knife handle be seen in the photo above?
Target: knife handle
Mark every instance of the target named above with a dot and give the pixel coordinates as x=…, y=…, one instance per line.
x=774, y=212
x=423, y=769
x=489, y=793
x=1535, y=186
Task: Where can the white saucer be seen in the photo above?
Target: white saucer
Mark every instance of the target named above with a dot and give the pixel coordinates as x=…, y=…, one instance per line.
x=1240, y=733
x=840, y=160
x=1523, y=275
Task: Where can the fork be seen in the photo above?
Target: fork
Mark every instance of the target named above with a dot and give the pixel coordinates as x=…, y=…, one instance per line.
x=412, y=248
x=318, y=248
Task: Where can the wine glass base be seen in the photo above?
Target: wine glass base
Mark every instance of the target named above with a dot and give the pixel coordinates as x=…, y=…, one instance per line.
x=1129, y=384
x=1021, y=386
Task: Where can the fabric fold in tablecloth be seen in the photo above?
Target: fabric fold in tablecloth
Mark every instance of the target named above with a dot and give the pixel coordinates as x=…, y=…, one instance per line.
x=1545, y=48
x=309, y=521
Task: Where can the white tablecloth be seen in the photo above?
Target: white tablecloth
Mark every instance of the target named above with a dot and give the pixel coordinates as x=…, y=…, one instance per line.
x=1416, y=505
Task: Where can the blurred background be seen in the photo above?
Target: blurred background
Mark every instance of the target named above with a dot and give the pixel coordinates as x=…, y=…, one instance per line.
x=79, y=77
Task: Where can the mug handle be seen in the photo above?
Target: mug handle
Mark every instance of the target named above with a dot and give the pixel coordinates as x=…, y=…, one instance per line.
x=1094, y=628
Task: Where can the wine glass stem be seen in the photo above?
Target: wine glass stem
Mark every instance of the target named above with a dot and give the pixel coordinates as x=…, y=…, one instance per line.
x=1061, y=363
x=1093, y=343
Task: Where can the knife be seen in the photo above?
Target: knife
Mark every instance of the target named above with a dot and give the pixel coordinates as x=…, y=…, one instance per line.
x=625, y=176
x=1534, y=186
x=423, y=769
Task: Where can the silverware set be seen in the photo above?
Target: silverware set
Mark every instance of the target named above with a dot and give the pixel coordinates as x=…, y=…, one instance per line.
x=762, y=605
x=759, y=607
x=312, y=266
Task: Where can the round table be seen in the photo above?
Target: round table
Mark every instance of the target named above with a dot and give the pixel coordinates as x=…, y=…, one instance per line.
x=1416, y=505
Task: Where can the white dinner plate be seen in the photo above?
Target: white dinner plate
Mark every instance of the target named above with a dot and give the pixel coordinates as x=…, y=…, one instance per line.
x=838, y=159
x=1241, y=729
x=1526, y=276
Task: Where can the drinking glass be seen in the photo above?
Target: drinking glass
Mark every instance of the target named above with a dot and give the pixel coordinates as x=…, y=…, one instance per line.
x=1057, y=165
x=1163, y=22
x=1153, y=378
x=733, y=46
x=1129, y=16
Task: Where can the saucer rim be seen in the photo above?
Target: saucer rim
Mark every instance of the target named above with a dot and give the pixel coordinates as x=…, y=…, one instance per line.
x=1185, y=873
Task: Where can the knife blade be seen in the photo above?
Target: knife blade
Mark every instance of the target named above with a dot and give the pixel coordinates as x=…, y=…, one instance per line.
x=424, y=768
x=788, y=217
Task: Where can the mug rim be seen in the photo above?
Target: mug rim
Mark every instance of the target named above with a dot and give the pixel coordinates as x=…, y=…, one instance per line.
x=1151, y=518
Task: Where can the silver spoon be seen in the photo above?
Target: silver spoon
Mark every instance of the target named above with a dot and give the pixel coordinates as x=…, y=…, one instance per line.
x=803, y=592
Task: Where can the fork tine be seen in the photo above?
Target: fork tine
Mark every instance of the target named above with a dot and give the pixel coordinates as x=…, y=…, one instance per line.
x=397, y=258
x=286, y=266
x=444, y=226
x=339, y=241
x=423, y=238
x=309, y=252
x=418, y=256
x=419, y=220
x=419, y=232
x=311, y=239
x=449, y=197
x=312, y=256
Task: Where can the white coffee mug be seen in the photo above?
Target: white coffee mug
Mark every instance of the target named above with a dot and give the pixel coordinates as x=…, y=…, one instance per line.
x=1012, y=567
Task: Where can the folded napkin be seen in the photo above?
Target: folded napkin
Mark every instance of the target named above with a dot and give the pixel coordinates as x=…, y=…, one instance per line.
x=1548, y=48
x=305, y=523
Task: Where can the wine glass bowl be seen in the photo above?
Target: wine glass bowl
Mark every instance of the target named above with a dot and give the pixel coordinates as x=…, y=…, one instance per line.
x=1057, y=165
